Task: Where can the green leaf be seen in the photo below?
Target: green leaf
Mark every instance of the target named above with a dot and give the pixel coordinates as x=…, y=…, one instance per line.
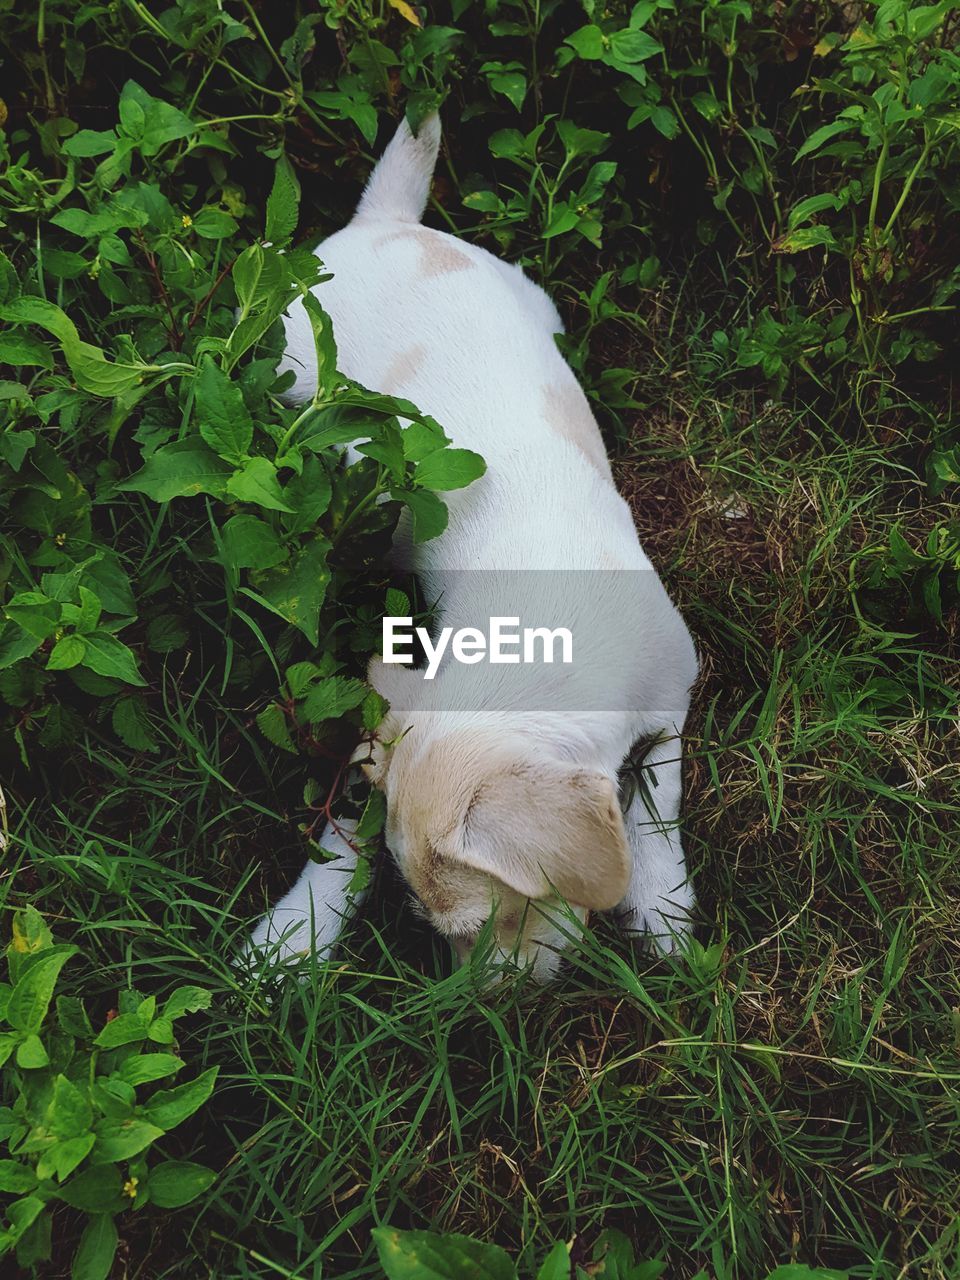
x=283, y=203
x=180, y=470
x=32, y=994
x=120, y=1139
x=31, y=1054
x=176, y=1182
x=588, y=42
x=425, y=1255
x=145, y=1067
x=95, y=1190
x=189, y=999
x=225, y=423
x=131, y=724
x=125, y=1028
x=295, y=590
x=556, y=1265
x=449, y=469
x=331, y=698
x=97, y=1249
x=214, y=224
x=249, y=543
x=272, y=723
x=429, y=513
x=62, y=1158
x=171, y=1107
x=68, y=1113
x=20, y=349
x=256, y=481
x=824, y=134
x=16, y=1178
x=108, y=656
x=66, y=653
x=309, y=495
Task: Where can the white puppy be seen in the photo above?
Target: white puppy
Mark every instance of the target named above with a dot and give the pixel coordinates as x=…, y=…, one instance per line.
x=502, y=798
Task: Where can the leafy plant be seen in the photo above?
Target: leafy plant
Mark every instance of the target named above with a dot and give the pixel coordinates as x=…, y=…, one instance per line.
x=84, y=1109
x=409, y=1255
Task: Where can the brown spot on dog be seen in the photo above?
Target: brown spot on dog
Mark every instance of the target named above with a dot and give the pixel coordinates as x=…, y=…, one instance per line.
x=404, y=366
x=439, y=253
x=568, y=414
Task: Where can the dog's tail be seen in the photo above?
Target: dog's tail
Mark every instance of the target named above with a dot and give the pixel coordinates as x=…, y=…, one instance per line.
x=399, y=186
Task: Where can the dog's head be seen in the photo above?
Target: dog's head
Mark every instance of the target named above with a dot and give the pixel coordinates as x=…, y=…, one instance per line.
x=485, y=821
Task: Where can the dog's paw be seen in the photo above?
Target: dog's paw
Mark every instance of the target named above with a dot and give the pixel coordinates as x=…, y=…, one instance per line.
x=658, y=919
x=289, y=935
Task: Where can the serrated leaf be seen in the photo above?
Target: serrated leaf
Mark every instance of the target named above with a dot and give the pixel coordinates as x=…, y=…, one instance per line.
x=295, y=590
x=272, y=723
x=283, y=203
x=250, y=543
x=131, y=724
x=333, y=697
x=429, y=512
x=224, y=420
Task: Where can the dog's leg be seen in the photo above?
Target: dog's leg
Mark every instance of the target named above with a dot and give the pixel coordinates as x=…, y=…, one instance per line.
x=659, y=900
x=314, y=912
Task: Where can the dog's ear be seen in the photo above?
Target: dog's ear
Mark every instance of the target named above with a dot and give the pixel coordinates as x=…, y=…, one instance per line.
x=548, y=828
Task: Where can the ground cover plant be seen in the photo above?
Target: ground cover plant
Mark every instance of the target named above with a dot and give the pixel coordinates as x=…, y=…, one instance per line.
x=746, y=213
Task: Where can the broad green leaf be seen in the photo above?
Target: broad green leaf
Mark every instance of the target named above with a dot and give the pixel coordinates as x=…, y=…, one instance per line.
x=16, y=1178
x=308, y=495
x=189, y=999
x=295, y=590
x=63, y=1157
x=588, y=42
x=68, y=1113
x=213, y=224
x=426, y=1255
x=121, y=1139
x=125, y=1028
x=249, y=543
x=180, y=470
x=176, y=1182
x=171, y=1107
x=108, y=656
x=144, y=1067
x=66, y=653
x=449, y=469
x=97, y=1249
x=429, y=512
x=225, y=422
x=95, y=1190
x=33, y=992
x=256, y=481
x=556, y=1265
x=31, y=1054
x=20, y=349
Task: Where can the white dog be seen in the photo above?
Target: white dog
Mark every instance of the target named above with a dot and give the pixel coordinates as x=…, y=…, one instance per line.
x=502, y=805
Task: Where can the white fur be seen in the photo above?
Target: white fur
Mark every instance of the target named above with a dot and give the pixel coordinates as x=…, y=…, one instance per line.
x=470, y=340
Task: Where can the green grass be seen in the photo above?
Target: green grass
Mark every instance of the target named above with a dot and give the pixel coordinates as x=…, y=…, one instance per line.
x=789, y=1089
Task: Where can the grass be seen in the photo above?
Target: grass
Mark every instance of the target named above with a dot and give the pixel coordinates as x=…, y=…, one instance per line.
x=788, y=1090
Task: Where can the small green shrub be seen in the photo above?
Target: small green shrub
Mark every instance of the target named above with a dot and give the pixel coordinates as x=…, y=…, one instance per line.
x=81, y=1111
x=411, y=1255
